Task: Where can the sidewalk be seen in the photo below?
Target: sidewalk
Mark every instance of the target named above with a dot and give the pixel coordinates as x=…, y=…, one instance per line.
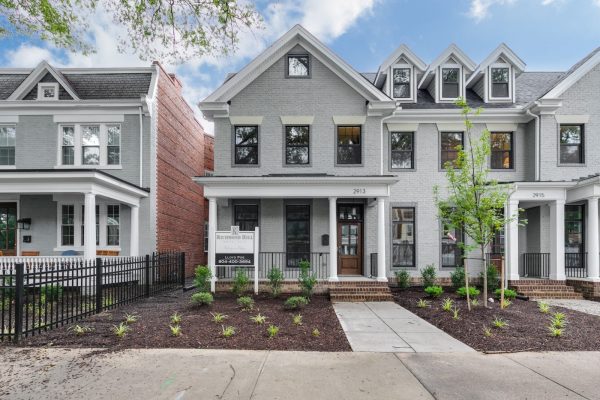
x=226, y=374
x=387, y=327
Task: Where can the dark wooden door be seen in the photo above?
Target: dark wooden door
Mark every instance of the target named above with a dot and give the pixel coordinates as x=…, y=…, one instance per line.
x=8, y=229
x=350, y=239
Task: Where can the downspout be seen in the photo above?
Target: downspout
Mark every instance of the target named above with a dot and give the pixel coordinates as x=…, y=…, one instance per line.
x=141, y=147
x=536, y=144
x=381, y=140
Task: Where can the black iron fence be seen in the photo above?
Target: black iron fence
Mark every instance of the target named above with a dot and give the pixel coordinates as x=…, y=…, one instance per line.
x=576, y=265
x=41, y=297
x=535, y=265
x=286, y=262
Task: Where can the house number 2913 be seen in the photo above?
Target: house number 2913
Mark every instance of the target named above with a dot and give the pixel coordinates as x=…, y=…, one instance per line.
x=359, y=191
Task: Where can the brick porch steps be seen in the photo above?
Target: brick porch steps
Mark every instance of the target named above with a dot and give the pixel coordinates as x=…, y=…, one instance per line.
x=545, y=289
x=359, y=291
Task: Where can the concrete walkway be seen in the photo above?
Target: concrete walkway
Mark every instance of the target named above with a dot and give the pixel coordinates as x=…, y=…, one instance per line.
x=183, y=374
x=585, y=306
x=388, y=328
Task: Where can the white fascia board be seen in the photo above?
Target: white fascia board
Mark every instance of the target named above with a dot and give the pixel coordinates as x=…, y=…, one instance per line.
x=296, y=35
x=402, y=50
x=575, y=76
x=381, y=108
x=90, y=118
x=349, y=119
x=501, y=51
x=245, y=120
x=9, y=119
x=37, y=74
x=452, y=50
x=122, y=70
x=214, y=109
x=514, y=115
x=572, y=119
x=297, y=119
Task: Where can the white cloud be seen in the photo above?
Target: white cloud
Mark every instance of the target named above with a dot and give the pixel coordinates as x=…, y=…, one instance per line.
x=480, y=9
x=27, y=56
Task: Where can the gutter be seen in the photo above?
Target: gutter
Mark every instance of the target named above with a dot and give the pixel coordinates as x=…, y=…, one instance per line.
x=381, y=138
x=141, y=147
x=536, y=144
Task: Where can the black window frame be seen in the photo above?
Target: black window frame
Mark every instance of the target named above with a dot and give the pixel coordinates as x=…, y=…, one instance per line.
x=580, y=145
x=407, y=84
x=581, y=221
x=458, y=252
x=338, y=146
x=411, y=151
x=447, y=151
x=494, y=84
x=293, y=258
x=443, y=83
x=236, y=146
x=511, y=152
x=413, y=246
x=308, y=67
x=287, y=128
x=246, y=224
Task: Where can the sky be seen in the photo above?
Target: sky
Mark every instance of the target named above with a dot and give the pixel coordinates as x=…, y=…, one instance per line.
x=549, y=35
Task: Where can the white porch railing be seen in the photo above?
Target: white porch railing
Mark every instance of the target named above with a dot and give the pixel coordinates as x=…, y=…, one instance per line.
x=41, y=263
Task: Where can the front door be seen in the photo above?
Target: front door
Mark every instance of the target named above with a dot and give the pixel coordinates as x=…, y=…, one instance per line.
x=8, y=229
x=350, y=245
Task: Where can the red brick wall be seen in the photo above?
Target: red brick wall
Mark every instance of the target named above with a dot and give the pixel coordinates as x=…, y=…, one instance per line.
x=181, y=148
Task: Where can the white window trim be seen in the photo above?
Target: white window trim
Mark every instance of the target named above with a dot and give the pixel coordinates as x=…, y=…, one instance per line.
x=78, y=147
x=488, y=87
x=412, y=83
x=461, y=82
x=40, y=88
x=78, y=221
x=13, y=166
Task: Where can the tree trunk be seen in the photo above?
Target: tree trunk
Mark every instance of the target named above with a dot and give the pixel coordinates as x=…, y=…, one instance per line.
x=485, y=278
x=502, y=275
x=467, y=283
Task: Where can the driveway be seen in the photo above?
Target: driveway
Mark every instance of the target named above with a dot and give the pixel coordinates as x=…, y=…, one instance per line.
x=52, y=373
x=387, y=327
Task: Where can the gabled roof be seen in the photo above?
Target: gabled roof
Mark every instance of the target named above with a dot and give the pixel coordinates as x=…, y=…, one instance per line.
x=576, y=72
x=402, y=51
x=451, y=51
x=296, y=35
x=502, y=51
x=34, y=77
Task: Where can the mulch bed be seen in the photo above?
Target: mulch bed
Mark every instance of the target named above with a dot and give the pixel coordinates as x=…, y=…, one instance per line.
x=527, y=328
x=199, y=331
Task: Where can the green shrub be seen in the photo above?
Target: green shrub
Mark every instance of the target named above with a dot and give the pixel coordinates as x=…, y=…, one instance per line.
x=246, y=302
x=241, y=282
x=202, y=277
x=447, y=304
x=429, y=275
x=458, y=278
x=493, y=281
x=403, y=279
x=508, y=293
x=295, y=302
x=434, y=291
x=51, y=292
x=272, y=331
x=473, y=291
x=306, y=279
x=202, y=298
x=275, y=277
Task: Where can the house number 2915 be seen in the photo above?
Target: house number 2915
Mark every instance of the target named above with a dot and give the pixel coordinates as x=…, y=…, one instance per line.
x=359, y=191
x=538, y=195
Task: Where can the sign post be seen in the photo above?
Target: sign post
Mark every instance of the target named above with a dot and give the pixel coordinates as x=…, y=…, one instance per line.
x=238, y=248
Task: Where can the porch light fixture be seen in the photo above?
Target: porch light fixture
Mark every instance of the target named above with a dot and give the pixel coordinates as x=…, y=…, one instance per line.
x=24, y=224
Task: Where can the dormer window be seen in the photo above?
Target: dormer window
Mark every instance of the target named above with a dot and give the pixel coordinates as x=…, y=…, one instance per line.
x=298, y=66
x=47, y=91
x=450, y=83
x=401, y=82
x=500, y=80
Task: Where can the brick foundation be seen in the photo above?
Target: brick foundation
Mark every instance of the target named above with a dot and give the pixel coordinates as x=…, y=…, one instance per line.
x=589, y=290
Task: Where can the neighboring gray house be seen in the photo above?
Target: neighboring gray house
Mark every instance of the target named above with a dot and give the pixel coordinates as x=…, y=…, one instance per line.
x=339, y=167
x=73, y=140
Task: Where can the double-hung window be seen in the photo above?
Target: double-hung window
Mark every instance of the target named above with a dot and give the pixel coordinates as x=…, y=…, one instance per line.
x=500, y=82
x=502, y=150
x=450, y=143
x=349, y=145
x=67, y=227
x=68, y=145
x=246, y=145
x=113, y=212
x=72, y=215
x=401, y=83
x=402, y=150
x=403, y=237
x=297, y=144
x=297, y=233
x=571, y=144
x=8, y=138
x=113, y=144
x=90, y=144
x=451, y=251
x=95, y=145
x=450, y=83
x=97, y=224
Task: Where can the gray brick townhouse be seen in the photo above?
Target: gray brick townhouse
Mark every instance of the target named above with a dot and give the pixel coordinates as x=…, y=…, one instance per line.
x=338, y=167
x=86, y=159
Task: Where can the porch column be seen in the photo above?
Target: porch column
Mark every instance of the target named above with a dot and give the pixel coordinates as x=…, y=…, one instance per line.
x=89, y=227
x=333, y=277
x=593, y=245
x=511, y=247
x=381, y=259
x=134, y=239
x=212, y=228
x=557, y=240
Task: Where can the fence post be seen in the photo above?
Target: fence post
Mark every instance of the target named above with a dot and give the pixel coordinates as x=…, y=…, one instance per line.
x=182, y=269
x=147, y=276
x=19, y=294
x=98, y=285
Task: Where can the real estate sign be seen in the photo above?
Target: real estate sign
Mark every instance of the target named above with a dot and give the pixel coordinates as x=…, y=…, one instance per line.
x=234, y=247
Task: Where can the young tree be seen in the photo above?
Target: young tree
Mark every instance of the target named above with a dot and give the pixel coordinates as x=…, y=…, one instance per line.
x=169, y=30
x=473, y=201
